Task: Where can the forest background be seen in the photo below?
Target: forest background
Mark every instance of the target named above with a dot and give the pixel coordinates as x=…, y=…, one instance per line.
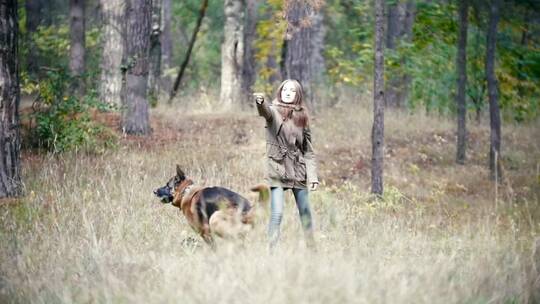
x=113, y=94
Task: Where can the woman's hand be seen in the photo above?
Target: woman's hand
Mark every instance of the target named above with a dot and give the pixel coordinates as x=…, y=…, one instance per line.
x=313, y=186
x=259, y=97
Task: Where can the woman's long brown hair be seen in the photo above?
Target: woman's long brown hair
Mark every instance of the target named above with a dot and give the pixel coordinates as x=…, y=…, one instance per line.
x=297, y=110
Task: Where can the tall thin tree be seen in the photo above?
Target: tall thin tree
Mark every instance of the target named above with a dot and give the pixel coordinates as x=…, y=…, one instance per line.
x=113, y=12
x=377, y=131
x=77, y=41
x=232, y=53
x=493, y=94
x=10, y=142
x=135, y=118
x=461, y=64
x=477, y=65
x=178, y=80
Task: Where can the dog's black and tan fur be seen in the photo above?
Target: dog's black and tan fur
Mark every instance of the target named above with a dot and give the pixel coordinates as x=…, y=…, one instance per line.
x=211, y=210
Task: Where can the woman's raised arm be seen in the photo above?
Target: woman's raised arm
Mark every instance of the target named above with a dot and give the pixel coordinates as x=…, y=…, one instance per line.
x=262, y=106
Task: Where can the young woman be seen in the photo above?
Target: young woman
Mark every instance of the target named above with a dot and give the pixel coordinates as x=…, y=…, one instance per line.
x=290, y=158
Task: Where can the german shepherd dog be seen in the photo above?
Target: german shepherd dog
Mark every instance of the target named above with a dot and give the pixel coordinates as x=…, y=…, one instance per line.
x=211, y=210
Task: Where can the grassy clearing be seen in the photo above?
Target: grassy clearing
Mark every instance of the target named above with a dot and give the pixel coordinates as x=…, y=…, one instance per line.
x=90, y=230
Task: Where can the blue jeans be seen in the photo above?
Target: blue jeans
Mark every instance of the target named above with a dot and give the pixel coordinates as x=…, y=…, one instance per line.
x=302, y=203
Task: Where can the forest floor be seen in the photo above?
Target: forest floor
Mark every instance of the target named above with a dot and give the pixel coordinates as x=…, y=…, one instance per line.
x=90, y=230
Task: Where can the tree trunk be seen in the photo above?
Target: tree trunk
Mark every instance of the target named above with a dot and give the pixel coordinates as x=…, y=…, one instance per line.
x=303, y=21
x=113, y=49
x=477, y=70
x=377, y=132
x=77, y=43
x=166, y=44
x=136, y=60
x=232, y=53
x=400, y=21
x=493, y=94
x=10, y=142
x=202, y=12
x=249, y=73
x=461, y=63
x=155, y=53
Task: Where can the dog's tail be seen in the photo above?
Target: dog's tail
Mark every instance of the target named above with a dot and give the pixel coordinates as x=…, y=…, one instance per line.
x=264, y=193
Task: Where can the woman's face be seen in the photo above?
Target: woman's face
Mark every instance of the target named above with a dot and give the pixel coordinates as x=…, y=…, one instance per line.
x=288, y=93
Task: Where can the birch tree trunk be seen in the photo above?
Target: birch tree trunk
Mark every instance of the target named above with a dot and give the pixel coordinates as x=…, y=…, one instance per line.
x=113, y=49
x=493, y=94
x=155, y=53
x=10, y=143
x=136, y=60
x=461, y=64
x=377, y=131
x=77, y=43
x=232, y=53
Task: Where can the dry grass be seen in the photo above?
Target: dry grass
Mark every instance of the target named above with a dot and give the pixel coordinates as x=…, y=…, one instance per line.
x=89, y=229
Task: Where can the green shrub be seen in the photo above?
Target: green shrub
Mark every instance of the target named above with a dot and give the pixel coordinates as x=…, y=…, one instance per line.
x=62, y=121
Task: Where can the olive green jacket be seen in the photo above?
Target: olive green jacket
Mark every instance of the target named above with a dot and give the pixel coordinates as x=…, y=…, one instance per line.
x=289, y=165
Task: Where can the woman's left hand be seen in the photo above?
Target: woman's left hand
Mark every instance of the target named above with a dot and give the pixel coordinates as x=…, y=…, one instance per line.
x=313, y=186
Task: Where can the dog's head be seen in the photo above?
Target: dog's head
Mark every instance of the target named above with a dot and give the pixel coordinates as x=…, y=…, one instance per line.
x=166, y=193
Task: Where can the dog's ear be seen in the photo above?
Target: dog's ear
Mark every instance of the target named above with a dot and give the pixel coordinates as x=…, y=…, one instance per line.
x=180, y=173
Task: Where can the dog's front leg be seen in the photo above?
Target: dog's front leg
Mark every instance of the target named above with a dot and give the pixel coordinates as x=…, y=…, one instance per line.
x=207, y=237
